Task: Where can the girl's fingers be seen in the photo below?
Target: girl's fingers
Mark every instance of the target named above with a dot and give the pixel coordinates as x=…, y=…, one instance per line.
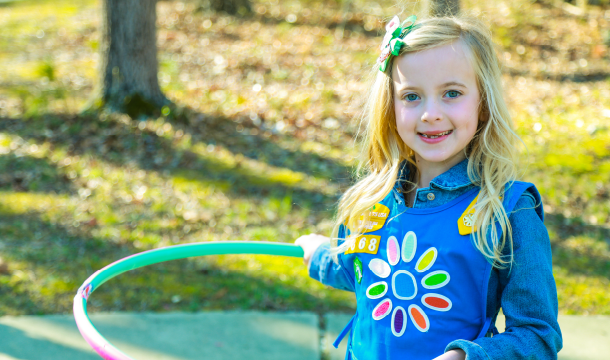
x=309, y=243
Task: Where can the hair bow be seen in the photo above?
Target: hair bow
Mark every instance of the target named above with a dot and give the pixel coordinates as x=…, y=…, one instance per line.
x=392, y=41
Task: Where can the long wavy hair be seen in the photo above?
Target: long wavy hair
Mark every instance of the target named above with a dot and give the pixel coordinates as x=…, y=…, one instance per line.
x=492, y=153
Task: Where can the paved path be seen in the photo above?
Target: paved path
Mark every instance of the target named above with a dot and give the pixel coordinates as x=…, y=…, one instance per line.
x=173, y=336
x=229, y=335
x=585, y=337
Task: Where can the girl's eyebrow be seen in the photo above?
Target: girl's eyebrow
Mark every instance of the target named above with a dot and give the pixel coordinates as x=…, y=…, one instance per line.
x=452, y=83
x=447, y=84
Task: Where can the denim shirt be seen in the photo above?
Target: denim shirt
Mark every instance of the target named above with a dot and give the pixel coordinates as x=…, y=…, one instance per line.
x=526, y=293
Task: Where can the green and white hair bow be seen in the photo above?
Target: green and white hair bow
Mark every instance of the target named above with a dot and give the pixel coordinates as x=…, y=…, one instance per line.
x=392, y=41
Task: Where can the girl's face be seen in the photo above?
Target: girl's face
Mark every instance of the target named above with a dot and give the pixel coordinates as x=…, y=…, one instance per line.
x=436, y=101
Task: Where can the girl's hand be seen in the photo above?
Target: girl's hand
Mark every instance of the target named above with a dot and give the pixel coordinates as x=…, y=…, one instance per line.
x=456, y=354
x=310, y=243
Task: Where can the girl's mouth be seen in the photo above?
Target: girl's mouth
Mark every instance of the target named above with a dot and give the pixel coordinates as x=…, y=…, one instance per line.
x=432, y=139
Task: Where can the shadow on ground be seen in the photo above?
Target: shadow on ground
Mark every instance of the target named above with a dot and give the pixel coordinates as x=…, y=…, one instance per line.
x=49, y=262
x=122, y=144
x=584, y=260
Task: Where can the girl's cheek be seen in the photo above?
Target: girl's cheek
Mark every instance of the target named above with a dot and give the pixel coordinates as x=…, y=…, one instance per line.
x=402, y=112
x=404, y=115
x=467, y=110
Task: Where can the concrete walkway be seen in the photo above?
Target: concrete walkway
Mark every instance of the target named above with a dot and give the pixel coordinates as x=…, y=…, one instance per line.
x=229, y=335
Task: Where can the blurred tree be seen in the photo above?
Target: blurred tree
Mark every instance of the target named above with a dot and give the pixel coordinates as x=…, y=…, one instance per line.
x=128, y=73
x=233, y=7
x=443, y=7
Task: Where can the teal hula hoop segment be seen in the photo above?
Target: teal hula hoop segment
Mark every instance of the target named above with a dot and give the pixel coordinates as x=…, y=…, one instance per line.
x=102, y=346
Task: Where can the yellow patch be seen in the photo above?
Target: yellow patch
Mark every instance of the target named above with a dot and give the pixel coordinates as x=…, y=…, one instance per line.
x=365, y=244
x=466, y=221
x=378, y=214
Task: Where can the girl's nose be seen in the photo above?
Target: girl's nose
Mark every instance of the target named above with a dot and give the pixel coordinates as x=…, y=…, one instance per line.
x=432, y=111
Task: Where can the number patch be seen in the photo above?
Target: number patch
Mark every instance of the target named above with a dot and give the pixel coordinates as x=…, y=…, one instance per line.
x=365, y=244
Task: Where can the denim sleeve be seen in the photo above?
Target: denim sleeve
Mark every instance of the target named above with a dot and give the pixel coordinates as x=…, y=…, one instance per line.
x=325, y=270
x=528, y=294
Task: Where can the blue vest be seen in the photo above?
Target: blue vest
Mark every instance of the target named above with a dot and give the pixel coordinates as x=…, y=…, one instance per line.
x=419, y=283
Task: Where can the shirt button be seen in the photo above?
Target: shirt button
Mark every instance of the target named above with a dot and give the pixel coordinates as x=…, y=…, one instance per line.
x=430, y=196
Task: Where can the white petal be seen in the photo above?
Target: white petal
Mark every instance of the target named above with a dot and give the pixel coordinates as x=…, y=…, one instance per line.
x=380, y=268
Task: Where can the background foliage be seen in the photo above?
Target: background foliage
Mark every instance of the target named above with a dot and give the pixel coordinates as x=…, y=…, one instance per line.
x=260, y=147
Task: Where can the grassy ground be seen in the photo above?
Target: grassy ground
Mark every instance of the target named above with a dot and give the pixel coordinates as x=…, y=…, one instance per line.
x=265, y=151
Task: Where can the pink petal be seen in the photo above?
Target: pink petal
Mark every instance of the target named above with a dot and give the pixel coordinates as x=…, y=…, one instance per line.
x=393, y=251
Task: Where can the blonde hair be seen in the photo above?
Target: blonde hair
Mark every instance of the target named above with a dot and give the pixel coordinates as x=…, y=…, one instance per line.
x=492, y=154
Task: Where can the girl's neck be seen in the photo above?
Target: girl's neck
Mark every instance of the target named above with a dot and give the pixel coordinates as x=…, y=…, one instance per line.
x=428, y=170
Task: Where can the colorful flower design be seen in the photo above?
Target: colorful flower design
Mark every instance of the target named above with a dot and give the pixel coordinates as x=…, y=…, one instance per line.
x=405, y=286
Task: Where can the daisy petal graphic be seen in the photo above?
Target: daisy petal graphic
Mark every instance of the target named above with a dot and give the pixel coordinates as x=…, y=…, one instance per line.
x=435, y=279
x=405, y=286
x=380, y=268
x=399, y=321
x=427, y=259
x=409, y=246
x=382, y=309
x=419, y=318
x=377, y=290
x=436, y=302
x=393, y=251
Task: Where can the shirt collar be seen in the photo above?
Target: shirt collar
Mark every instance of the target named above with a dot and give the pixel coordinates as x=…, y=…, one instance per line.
x=454, y=178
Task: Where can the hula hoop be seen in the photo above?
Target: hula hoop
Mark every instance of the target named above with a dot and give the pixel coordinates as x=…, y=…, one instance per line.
x=102, y=346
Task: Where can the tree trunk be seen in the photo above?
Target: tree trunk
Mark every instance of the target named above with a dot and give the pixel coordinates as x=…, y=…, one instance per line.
x=128, y=74
x=437, y=8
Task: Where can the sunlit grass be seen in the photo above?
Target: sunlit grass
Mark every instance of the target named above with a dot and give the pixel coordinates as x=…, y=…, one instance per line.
x=582, y=294
x=263, y=155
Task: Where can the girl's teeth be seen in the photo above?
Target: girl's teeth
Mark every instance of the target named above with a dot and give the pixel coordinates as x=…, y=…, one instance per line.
x=436, y=136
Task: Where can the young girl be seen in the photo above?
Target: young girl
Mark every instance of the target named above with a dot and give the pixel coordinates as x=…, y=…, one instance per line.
x=438, y=235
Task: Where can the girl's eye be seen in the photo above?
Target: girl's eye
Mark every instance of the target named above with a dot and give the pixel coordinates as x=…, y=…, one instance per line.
x=453, y=93
x=411, y=97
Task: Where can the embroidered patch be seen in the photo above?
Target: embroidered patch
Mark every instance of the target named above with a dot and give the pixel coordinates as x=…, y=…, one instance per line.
x=392, y=250
x=382, y=309
x=409, y=246
x=404, y=285
x=427, y=259
x=358, y=269
x=377, y=290
x=435, y=279
x=378, y=214
x=419, y=318
x=466, y=223
x=368, y=244
x=436, y=302
x=399, y=321
x=380, y=268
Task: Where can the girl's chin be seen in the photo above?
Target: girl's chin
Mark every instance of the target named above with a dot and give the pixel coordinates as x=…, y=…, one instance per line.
x=438, y=157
